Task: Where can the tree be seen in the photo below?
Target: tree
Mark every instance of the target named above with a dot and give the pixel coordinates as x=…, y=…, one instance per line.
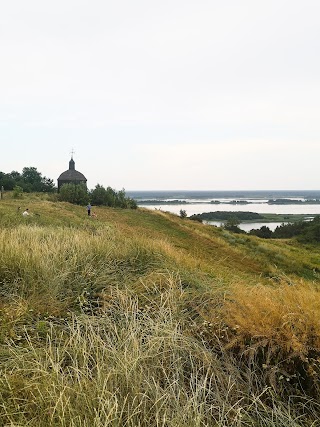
x=32, y=178
x=183, y=214
x=311, y=231
x=48, y=185
x=6, y=181
x=99, y=195
x=31, y=174
x=131, y=203
x=74, y=193
x=286, y=231
x=34, y=181
x=233, y=225
x=121, y=201
x=264, y=232
x=14, y=175
x=112, y=198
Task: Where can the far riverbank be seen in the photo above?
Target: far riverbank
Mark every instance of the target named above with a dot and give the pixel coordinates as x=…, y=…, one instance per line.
x=291, y=206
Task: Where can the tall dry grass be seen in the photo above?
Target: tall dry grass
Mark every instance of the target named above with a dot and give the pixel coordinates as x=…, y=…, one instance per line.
x=288, y=315
x=276, y=330
x=56, y=260
x=56, y=268
x=130, y=366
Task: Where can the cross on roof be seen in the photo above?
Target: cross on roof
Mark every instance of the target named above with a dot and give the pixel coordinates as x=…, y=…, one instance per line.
x=72, y=153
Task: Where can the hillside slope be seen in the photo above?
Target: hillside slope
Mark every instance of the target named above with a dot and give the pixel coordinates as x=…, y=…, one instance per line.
x=139, y=317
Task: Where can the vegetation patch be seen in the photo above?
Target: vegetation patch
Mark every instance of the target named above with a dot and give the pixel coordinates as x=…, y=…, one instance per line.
x=140, y=317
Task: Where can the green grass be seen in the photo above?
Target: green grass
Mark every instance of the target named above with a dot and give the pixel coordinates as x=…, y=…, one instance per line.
x=140, y=318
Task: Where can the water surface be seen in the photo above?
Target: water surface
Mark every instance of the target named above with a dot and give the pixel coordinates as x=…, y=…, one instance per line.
x=196, y=202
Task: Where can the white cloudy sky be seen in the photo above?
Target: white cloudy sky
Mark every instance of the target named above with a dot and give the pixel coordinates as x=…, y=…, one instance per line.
x=166, y=94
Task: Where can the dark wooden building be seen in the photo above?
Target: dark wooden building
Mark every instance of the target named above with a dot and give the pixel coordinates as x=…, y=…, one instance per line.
x=71, y=176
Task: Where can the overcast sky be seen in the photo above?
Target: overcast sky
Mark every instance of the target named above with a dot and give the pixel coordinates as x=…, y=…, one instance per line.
x=167, y=94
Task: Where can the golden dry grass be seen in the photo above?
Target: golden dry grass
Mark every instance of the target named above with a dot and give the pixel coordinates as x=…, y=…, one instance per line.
x=287, y=315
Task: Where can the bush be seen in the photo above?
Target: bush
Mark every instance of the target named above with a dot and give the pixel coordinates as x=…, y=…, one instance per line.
x=233, y=225
x=183, y=214
x=101, y=196
x=263, y=232
x=74, y=193
x=17, y=192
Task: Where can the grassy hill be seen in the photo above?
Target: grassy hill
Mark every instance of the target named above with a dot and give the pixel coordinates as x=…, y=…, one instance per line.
x=141, y=318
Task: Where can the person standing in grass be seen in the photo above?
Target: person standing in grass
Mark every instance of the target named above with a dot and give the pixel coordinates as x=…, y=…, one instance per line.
x=89, y=209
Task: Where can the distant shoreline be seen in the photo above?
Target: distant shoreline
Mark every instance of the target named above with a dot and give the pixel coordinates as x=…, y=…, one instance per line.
x=231, y=202
x=281, y=206
x=140, y=195
x=252, y=217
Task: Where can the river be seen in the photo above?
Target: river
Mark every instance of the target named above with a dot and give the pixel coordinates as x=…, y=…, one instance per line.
x=197, y=202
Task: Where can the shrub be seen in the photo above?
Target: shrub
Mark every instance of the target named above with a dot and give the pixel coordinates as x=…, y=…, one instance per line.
x=233, y=225
x=17, y=192
x=74, y=193
x=183, y=214
x=263, y=232
x=101, y=196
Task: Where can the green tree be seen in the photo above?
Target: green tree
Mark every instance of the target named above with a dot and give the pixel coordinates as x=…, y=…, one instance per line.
x=183, y=214
x=311, y=231
x=99, y=195
x=15, y=175
x=232, y=224
x=131, y=203
x=74, y=193
x=110, y=197
x=30, y=180
x=34, y=181
x=48, y=185
x=31, y=174
x=264, y=232
x=9, y=180
x=122, y=201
